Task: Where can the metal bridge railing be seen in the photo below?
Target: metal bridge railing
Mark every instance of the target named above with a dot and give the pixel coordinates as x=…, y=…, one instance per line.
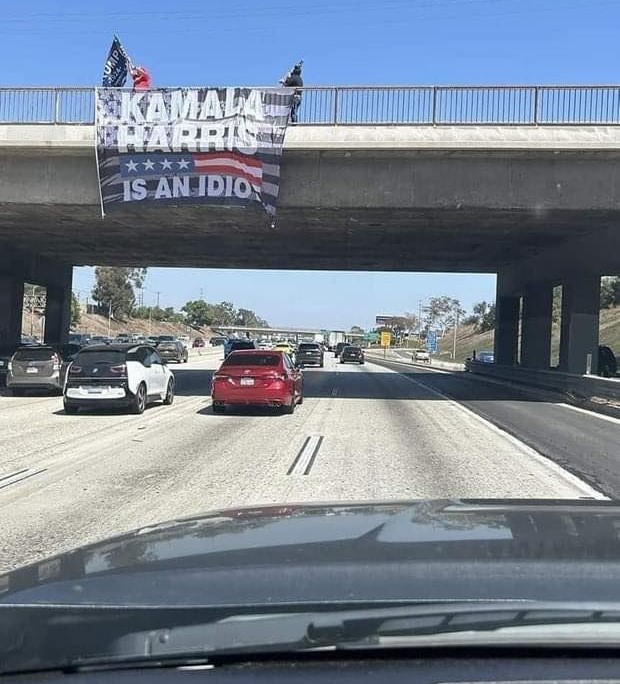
x=371, y=105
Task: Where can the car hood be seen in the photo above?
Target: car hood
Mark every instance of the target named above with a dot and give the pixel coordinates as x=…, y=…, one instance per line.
x=453, y=549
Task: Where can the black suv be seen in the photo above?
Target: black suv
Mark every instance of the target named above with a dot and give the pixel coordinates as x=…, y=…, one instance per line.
x=339, y=347
x=173, y=350
x=354, y=354
x=240, y=345
x=309, y=354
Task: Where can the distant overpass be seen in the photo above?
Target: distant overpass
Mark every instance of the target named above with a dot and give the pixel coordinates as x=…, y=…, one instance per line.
x=520, y=181
x=271, y=331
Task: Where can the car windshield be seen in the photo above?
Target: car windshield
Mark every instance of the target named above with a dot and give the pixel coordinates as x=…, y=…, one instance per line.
x=238, y=359
x=346, y=330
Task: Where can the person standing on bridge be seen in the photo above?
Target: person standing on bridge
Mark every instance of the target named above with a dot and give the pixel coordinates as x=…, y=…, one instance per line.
x=294, y=80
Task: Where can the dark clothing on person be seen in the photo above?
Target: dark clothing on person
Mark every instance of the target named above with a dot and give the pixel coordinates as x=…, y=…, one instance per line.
x=294, y=80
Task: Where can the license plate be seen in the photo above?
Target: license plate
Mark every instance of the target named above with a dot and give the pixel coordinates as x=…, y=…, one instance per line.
x=32, y=370
x=94, y=390
x=247, y=381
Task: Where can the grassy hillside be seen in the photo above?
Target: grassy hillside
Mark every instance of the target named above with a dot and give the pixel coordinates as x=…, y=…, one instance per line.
x=467, y=339
x=98, y=325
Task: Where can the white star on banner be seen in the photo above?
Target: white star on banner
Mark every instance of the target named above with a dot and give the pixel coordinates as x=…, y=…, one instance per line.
x=183, y=164
x=131, y=166
x=148, y=165
x=166, y=164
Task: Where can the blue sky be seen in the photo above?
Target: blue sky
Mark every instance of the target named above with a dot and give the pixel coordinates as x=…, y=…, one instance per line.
x=249, y=42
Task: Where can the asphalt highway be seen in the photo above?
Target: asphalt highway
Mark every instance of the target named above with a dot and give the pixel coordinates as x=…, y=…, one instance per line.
x=363, y=433
x=585, y=443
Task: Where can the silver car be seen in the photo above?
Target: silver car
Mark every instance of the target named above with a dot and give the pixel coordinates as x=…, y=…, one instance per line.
x=42, y=367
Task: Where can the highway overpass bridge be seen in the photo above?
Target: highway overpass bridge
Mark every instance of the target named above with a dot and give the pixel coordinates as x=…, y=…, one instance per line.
x=523, y=182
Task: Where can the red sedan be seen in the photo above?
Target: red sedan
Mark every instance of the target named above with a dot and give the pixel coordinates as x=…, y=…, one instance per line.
x=256, y=377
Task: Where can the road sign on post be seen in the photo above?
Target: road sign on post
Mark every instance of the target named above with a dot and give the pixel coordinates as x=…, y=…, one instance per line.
x=386, y=339
x=431, y=342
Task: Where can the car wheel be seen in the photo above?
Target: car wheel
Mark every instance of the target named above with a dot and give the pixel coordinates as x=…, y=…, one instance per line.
x=288, y=409
x=341, y=360
x=17, y=392
x=70, y=410
x=138, y=403
x=361, y=363
x=321, y=364
x=218, y=408
x=169, y=396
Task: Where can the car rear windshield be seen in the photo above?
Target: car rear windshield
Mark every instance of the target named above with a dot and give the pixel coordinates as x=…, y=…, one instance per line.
x=34, y=354
x=166, y=345
x=310, y=346
x=91, y=358
x=242, y=345
x=252, y=360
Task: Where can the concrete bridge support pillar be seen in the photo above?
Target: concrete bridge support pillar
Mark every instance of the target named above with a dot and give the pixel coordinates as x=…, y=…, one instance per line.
x=506, y=326
x=536, y=326
x=58, y=308
x=580, y=323
x=11, y=306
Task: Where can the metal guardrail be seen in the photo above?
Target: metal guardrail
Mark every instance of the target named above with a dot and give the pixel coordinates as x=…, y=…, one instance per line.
x=372, y=105
x=586, y=386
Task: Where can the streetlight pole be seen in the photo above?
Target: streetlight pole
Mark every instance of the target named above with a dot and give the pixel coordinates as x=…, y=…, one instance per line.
x=110, y=318
x=456, y=325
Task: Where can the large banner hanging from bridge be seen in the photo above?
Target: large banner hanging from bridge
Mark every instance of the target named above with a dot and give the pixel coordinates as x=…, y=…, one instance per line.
x=191, y=145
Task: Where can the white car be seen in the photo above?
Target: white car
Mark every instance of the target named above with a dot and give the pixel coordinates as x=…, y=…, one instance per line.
x=117, y=376
x=421, y=355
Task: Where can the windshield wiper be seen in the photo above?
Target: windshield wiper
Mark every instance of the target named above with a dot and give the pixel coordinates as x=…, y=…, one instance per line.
x=419, y=625
x=133, y=637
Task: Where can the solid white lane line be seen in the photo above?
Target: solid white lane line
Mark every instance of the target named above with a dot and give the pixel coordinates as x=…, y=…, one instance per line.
x=594, y=414
x=584, y=487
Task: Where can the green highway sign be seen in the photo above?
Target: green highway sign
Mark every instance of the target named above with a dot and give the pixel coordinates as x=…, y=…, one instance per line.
x=371, y=337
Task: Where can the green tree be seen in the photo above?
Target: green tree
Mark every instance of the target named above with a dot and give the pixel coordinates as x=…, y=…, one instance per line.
x=76, y=311
x=224, y=313
x=443, y=311
x=356, y=330
x=114, y=287
x=248, y=318
x=610, y=291
x=198, y=313
x=482, y=317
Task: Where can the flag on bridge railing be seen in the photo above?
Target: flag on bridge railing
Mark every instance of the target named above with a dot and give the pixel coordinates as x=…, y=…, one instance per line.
x=116, y=66
x=191, y=146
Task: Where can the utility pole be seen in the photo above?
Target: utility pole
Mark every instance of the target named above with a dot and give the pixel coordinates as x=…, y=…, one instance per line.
x=419, y=320
x=158, y=293
x=456, y=325
x=110, y=318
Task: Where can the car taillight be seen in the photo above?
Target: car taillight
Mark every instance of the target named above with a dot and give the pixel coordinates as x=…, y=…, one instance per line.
x=221, y=376
x=121, y=369
x=276, y=376
x=75, y=369
x=56, y=360
x=9, y=366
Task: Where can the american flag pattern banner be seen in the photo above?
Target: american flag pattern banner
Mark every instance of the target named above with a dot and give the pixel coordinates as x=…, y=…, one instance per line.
x=191, y=145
